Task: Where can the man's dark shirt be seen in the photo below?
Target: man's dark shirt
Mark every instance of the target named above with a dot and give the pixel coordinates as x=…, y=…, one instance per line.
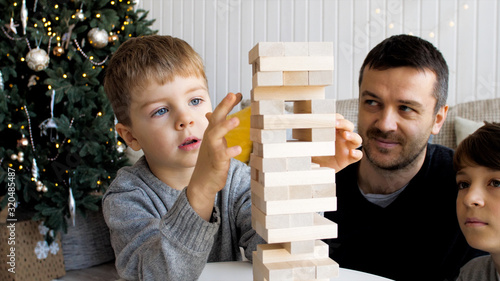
x=416, y=237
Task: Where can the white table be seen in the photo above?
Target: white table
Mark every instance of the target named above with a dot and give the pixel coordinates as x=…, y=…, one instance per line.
x=242, y=271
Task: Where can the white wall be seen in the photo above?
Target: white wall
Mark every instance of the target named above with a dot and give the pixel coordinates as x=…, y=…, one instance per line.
x=223, y=31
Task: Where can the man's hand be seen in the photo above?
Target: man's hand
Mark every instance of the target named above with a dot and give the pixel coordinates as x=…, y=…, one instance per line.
x=210, y=173
x=346, y=143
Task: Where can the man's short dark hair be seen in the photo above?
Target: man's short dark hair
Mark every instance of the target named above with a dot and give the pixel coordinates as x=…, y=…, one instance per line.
x=407, y=50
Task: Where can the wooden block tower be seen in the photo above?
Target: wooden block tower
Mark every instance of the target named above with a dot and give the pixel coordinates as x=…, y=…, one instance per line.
x=288, y=190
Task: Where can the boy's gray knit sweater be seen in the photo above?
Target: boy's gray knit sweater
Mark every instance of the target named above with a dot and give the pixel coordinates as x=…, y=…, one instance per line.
x=156, y=235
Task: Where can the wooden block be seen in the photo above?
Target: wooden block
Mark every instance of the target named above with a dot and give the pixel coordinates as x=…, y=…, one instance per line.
x=294, y=149
x=266, y=49
x=300, y=192
x=294, y=206
x=292, y=121
x=272, y=271
x=314, y=135
x=270, y=253
x=297, y=163
x=303, y=270
x=315, y=165
x=320, y=175
x=269, y=164
x=257, y=268
x=268, y=136
x=300, y=247
x=269, y=222
x=269, y=78
x=320, y=48
x=326, y=268
x=320, y=78
x=255, y=174
x=281, y=221
x=295, y=49
x=322, y=229
x=295, y=63
x=264, y=107
x=274, y=193
x=288, y=93
x=295, y=78
x=299, y=220
x=323, y=190
x=321, y=106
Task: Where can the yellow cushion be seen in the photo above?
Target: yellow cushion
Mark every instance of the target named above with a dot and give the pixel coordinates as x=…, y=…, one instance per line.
x=241, y=134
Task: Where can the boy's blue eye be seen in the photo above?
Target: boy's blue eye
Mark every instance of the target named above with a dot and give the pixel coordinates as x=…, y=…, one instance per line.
x=495, y=183
x=196, y=101
x=462, y=185
x=160, y=112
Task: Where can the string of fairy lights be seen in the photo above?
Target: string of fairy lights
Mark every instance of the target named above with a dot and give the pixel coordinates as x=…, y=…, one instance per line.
x=38, y=59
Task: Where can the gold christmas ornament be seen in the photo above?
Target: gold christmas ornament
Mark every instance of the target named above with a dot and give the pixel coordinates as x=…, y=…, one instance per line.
x=113, y=38
x=58, y=51
x=37, y=59
x=98, y=38
x=23, y=141
x=80, y=15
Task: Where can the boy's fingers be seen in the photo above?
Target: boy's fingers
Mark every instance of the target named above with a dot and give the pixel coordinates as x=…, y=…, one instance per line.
x=233, y=151
x=219, y=131
x=225, y=106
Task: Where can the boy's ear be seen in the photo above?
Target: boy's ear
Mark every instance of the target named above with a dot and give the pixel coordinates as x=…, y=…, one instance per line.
x=127, y=135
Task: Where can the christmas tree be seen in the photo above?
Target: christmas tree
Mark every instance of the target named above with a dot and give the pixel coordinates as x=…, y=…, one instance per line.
x=59, y=150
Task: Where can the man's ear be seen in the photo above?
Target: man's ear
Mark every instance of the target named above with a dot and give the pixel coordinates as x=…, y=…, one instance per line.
x=128, y=136
x=439, y=119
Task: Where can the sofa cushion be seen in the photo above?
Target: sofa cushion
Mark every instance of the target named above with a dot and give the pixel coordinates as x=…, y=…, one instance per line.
x=465, y=127
x=478, y=111
x=349, y=109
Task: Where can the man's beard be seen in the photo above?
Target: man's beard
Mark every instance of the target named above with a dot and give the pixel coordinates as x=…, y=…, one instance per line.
x=411, y=149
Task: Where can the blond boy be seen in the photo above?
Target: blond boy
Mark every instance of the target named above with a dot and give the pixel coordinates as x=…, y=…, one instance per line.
x=186, y=201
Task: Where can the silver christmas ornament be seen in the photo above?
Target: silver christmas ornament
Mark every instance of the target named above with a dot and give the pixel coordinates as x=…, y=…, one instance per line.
x=39, y=186
x=37, y=59
x=1, y=81
x=49, y=123
x=19, y=156
x=12, y=26
x=24, y=16
x=98, y=38
x=34, y=170
x=71, y=205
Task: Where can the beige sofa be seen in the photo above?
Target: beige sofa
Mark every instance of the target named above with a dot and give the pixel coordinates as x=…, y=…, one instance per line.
x=91, y=246
x=462, y=118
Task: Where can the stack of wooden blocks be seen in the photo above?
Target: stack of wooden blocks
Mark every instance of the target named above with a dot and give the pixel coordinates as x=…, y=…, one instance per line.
x=289, y=191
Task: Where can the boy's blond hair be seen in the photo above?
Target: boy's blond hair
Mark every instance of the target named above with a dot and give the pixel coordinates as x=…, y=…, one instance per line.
x=142, y=60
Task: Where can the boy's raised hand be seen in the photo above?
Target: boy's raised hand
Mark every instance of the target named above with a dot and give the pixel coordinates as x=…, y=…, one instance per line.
x=346, y=143
x=210, y=172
